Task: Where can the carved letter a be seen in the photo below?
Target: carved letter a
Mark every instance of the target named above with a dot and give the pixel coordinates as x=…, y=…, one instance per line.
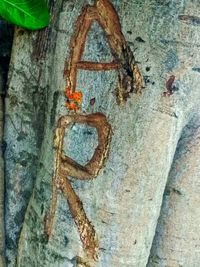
x=130, y=79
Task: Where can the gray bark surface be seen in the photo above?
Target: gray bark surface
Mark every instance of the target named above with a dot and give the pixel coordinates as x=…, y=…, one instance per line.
x=2, y=230
x=5, y=48
x=177, y=240
x=124, y=201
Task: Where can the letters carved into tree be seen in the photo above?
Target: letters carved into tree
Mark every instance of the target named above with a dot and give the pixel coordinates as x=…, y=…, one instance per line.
x=65, y=166
x=130, y=80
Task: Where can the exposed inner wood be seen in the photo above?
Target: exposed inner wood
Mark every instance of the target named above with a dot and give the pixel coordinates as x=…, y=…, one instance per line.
x=130, y=80
x=89, y=65
x=103, y=12
x=65, y=166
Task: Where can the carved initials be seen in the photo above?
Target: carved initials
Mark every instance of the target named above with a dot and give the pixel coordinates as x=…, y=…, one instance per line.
x=65, y=166
x=130, y=79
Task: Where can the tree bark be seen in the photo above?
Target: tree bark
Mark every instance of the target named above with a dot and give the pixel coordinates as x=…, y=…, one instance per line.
x=177, y=240
x=5, y=48
x=123, y=202
x=2, y=230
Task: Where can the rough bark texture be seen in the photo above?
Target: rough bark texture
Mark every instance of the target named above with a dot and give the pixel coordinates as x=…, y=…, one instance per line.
x=5, y=48
x=123, y=202
x=2, y=229
x=177, y=240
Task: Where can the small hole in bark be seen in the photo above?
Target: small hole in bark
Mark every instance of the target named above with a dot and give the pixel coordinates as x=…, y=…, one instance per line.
x=92, y=101
x=139, y=39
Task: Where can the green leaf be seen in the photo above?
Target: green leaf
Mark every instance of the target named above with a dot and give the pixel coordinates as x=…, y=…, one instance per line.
x=29, y=14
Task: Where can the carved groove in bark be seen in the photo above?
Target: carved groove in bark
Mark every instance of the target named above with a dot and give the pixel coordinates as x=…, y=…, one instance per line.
x=65, y=166
x=130, y=78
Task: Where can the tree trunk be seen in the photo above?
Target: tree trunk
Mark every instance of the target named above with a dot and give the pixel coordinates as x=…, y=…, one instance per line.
x=2, y=230
x=5, y=48
x=115, y=213
x=177, y=240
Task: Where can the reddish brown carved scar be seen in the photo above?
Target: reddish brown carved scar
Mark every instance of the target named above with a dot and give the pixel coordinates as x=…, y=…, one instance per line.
x=169, y=85
x=95, y=66
x=103, y=12
x=65, y=166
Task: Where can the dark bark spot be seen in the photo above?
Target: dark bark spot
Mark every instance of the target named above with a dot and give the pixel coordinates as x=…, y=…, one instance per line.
x=3, y=146
x=194, y=20
x=18, y=217
x=42, y=208
x=88, y=132
x=167, y=192
x=170, y=87
x=22, y=135
x=196, y=69
x=13, y=100
x=92, y=101
x=10, y=243
x=139, y=39
x=21, y=31
x=66, y=241
x=178, y=192
x=170, y=82
x=53, y=109
x=147, y=80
